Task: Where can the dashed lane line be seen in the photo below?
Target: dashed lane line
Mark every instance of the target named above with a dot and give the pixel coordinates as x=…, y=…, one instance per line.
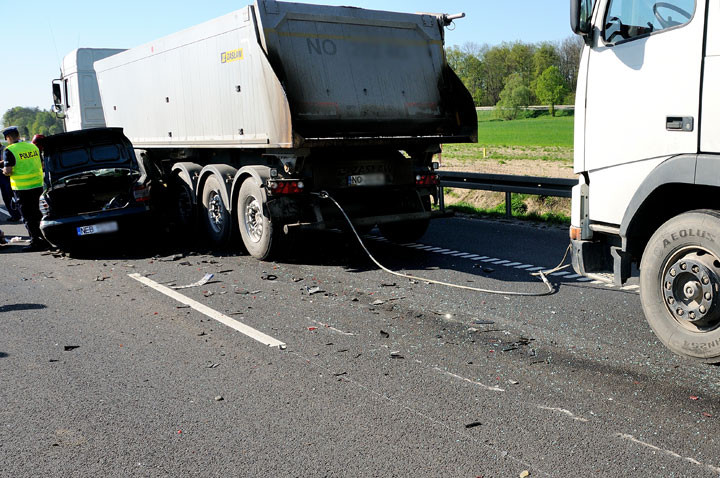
x=506, y=263
x=213, y=314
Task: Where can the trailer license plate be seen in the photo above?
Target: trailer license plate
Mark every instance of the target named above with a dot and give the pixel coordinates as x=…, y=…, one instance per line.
x=100, y=228
x=372, y=179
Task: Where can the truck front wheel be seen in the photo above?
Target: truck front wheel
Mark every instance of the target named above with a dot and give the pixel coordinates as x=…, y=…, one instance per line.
x=680, y=285
x=217, y=217
x=256, y=226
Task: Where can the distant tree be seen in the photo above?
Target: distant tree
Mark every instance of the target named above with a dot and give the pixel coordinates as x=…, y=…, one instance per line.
x=550, y=88
x=569, y=52
x=32, y=121
x=515, y=96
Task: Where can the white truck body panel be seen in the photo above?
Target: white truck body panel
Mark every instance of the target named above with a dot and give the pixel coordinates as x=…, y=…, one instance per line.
x=83, y=105
x=627, y=105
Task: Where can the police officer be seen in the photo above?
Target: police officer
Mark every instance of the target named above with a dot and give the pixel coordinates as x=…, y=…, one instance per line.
x=23, y=165
x=7, y=195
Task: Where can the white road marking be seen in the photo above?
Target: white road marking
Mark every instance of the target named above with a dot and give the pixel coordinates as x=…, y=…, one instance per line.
x=481, y=385
x=506, y=263
x=3, y=210
x=213, y=314
x=329, y=327
x=566, y=412
x=631, y=438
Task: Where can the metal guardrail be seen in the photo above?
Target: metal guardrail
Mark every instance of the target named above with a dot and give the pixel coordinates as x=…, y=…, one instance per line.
x=509, y=184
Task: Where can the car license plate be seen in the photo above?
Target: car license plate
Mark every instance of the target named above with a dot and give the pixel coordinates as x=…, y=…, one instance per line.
x=372, y=179
x=100, y=228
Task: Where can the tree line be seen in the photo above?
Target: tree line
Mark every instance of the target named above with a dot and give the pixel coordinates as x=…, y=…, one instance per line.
x=32, y=121
x=511, y=76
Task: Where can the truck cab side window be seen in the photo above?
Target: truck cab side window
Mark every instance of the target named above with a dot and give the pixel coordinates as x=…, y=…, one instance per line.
x=628, y=19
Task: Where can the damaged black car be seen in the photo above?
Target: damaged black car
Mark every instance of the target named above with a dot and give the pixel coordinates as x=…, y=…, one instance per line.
x=94, y=188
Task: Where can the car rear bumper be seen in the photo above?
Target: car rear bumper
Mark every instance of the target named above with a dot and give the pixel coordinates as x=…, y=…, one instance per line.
x=63, y=232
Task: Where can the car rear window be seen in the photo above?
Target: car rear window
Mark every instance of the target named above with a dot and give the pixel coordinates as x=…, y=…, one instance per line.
x=73, y=158
x=106, y=153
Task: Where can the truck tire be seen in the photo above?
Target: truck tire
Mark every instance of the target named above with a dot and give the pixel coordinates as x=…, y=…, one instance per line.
x=407, y=231
x=256, y=226
x=680, y=285
x=216, y=217
x=182, y=207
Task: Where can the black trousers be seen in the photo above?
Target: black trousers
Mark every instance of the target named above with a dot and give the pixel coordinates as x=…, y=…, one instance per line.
x=28, y=200
x=7, y=197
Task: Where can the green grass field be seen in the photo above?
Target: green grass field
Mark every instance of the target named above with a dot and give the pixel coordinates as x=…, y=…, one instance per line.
x=508, y=145
x=542, y=137
x=543, y=130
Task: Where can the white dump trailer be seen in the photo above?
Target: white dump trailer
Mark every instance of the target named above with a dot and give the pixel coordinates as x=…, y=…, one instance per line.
x=247, y=117
x=647, y=151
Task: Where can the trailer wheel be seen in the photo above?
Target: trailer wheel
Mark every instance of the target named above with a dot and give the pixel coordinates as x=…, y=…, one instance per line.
x=256, y=226
x=680, y=285
x=407, y=231
x=216, y=216
x=183, y=209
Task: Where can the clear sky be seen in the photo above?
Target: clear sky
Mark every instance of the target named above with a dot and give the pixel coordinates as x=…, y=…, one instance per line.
x=36, y=34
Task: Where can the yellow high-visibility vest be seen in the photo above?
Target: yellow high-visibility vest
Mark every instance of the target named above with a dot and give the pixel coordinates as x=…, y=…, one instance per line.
x=27, y=172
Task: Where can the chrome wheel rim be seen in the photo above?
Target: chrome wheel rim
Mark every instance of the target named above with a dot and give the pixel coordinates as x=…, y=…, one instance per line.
x=215, y=211
x=253, y=219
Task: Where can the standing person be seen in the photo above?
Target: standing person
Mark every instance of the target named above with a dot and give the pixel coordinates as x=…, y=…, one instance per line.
x=7, y=196
x=23, y=165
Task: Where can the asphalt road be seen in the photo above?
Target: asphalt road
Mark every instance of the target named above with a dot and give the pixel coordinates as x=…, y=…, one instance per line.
x=104, y=375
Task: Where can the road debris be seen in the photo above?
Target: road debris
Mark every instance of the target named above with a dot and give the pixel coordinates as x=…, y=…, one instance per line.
x=384, y=334
x=101, y=278
x=473, y=425
x=207, y=278
x=313, y=290
x=693, y=397
x=219, y=398
x=396, y=355
x=69, y=348
x=484, y=322
x=378, y=302
x=525, y=474
x=172, y=258
x=269, y=277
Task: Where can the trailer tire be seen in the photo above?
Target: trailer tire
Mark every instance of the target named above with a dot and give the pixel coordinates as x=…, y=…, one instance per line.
x=183, y=210
x=406, y=231
x=256, y=225
x=680, y=285
x=216, y=217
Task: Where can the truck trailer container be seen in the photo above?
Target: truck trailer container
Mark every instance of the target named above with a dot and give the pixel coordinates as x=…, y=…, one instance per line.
x=248, y=117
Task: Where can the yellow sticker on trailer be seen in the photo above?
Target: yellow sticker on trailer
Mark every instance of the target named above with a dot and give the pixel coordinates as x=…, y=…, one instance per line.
x=232, y=55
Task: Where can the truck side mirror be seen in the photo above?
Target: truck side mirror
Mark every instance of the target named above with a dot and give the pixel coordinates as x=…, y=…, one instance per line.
x=57, y=94
x=581, y=16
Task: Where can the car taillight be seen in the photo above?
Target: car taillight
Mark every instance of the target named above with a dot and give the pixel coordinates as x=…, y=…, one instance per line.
x=278, y=187
x=427, y=180
x=44, y=206
x=141, y=192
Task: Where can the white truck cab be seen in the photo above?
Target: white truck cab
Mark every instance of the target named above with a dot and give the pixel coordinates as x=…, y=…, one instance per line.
x=76, y=94
x=647, y=152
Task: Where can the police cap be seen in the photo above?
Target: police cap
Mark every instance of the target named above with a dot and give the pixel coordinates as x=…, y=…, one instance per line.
x=10, y=130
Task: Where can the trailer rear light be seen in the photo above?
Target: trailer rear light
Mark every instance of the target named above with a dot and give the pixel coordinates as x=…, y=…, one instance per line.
x=279, y=187
x=141, y=192
x=427, y=180
x=44, y=206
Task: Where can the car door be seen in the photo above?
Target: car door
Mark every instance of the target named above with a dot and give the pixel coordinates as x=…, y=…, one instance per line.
x=642, y=96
